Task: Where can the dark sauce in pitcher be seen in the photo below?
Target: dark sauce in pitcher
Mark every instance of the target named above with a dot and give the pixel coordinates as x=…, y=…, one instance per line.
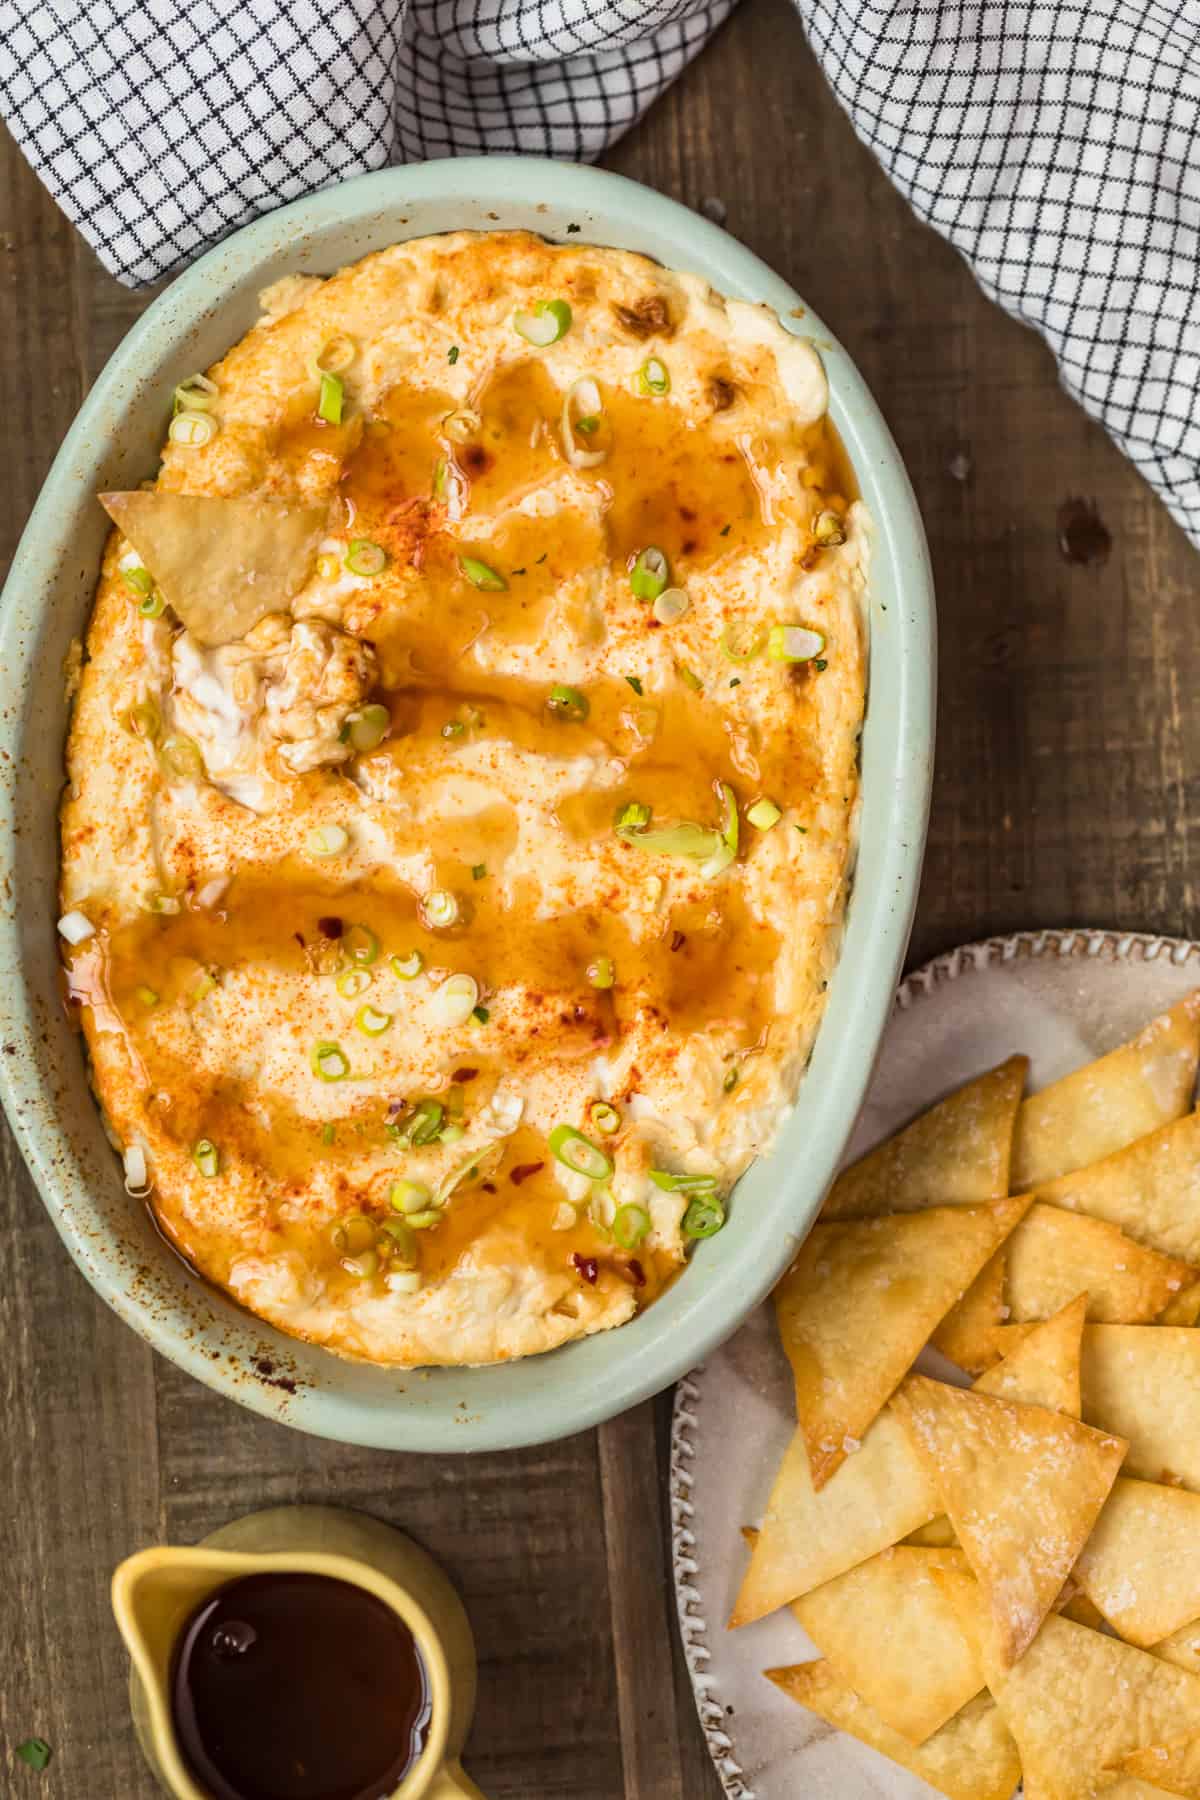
x=298, y=1687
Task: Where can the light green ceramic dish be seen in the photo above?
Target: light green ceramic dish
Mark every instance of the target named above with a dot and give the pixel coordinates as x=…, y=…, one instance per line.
x=113, y=444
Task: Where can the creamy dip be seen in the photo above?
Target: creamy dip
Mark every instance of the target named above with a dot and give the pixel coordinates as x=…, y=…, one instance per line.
x=461, y=802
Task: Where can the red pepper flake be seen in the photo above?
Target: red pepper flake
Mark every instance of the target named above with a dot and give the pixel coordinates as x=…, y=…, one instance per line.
x=587, y=1266
x=464, y=1074
x=331, y=927
x=677, y=940
x=636, y=1270
x=523, y=1171
x=489, y=1187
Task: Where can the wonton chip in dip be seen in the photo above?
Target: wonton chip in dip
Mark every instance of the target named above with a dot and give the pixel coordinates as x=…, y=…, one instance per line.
x=462, y=791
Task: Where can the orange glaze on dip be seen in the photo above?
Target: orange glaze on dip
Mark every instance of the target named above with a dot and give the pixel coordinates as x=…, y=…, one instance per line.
x=479, y=845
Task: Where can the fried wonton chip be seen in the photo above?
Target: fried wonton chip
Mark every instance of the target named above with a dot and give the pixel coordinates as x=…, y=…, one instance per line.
x=1021, y=1486
x=1149, y=1190
x=1143, y=1383
x=860, y=1301
x=937, y=1535
x=1182, y=1648
x=1106, y=1105
x=1141, y=1564
x=1053, y=1255
x=971, y=1758
x=891, y=1631
x=1184, y=1309
x=970, y=1332
x=1170, y=1768
x=221, y=564
x=956, y=1154
x=1079, y=1702
x=878, y=1495
x=1042, y=1368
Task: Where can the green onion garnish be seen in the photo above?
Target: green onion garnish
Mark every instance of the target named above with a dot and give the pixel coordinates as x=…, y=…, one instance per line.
x=685, y=838
x=634, y=816
x=144, y=721
x=328, y=1134
x=335, y=356
x=689, y=678
x=452, y=354
x=794, y=643
x=763, y=814
x=192, y=429
x=206, y=1157
x=544, y=323
x=828, y=530
x=671, y=605
x=422, y=1221
x=371, y=1021
x=365, y=557
x=604, y=1117
x=568, y=703
x=730, y=1081
x=683, y=1184
x=327, y=840
x=482, y=575
x=743, y=640
x=450, y=1134
x=329, y=404
x=453, y=728
x=478, y=871
x=408, y=966
x=362, y=1266
x=480, y=1014
x=146, y=995
x=182, y=757
x=425, y=1123
x=366, y=727
x=727, y=800
x=650, y=574
x=630, y=1225
x=588, y=425
x=636, y=684
x=138, y=581
x=409, y=1196
x=153, y=606
x=653, y=377
x=361, y=944
x=704, y=1217
x=601, y=973
x=579, y=1154
x=195, y=393
x=35, y=1753
x=330, y=1062
x=440, y=909
x=353, y=982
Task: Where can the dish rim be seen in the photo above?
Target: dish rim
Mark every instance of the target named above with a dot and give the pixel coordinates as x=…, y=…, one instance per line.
x=197, y=1328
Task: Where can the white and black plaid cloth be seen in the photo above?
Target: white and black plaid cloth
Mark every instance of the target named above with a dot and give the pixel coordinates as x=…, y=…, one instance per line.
x=1057, y=146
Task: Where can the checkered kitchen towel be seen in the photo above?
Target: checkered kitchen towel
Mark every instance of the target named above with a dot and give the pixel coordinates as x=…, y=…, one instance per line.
x=1057, y=146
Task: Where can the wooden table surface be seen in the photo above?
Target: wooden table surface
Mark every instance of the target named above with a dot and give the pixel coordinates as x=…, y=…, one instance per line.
x=1066, y=794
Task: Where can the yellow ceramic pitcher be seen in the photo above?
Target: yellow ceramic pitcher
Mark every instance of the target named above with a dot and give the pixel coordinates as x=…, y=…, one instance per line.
x=156, y=1591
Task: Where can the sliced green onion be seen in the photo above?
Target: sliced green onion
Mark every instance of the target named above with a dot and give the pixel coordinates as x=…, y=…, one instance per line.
x=582, y=412
x=330, y=1062
x=451, y=1133
x=335, y=356
x=364, y=557
x=477, y=1167
x=588, y=425
x=440, y=909
x=689, y=678
x=670, y=605
x=182, y=757
x=206, y=1157
x=730, y=1081
x=743, y=640
x=409, y=1196
x=35, y=1753
x=362, y=1266
x=763, y=814
x=329, y=404
x=636, y=684
x=353, y=982
x=394, y=1238
x=146, y=995
x=138, y=581
x=203, y=985
x=683, y=1184
x=453, y=728
x=683, y=839
x=568, y=703
x=579, y=1154
x=630, y=1225
x=159, y=903
x=480, y=1014
x=328, y=1134
x=482, y=575
x=794, y=643
x=327, y=840
x=653, y=377
x=829, y=530
x=422, y=1221
x=601, y=973
x=195, y=393
x=353, y=1234
x=704, y=1217
x=408, y=966
x=404, y=1281
x=143, y=720
x=425, y=1123
x=192, y=429
x=604, y=1117
x=361, y=944
x=478, y=871
x=367, y=727
x=727, y=800
x=634, y=816
x=454, y=1001
x=153, y=606
x=544, y=323
x=452, y=354
x=650, y=574
x=371, y=1021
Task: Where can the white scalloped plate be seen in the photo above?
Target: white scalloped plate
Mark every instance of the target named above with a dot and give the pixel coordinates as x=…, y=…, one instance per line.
x=1061, y=997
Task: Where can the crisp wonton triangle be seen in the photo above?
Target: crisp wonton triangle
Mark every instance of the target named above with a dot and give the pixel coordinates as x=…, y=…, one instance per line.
x=1043, y=1368
x=890, y=1630
x=1143, y=1382
x=1149, y=1190
x=1021, y=1486
x=860, y=1301
x=1053, y=1255
x=971, y=1758
x=955, y=1154
x=1169, y=1768
x=1141, y=1565
x=970, y=1332
x=1079, y=1702
x=1100, y=1108
x=1184, y=1309
x=877, y=1496
x=1182, y=1648
x=222, y=564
